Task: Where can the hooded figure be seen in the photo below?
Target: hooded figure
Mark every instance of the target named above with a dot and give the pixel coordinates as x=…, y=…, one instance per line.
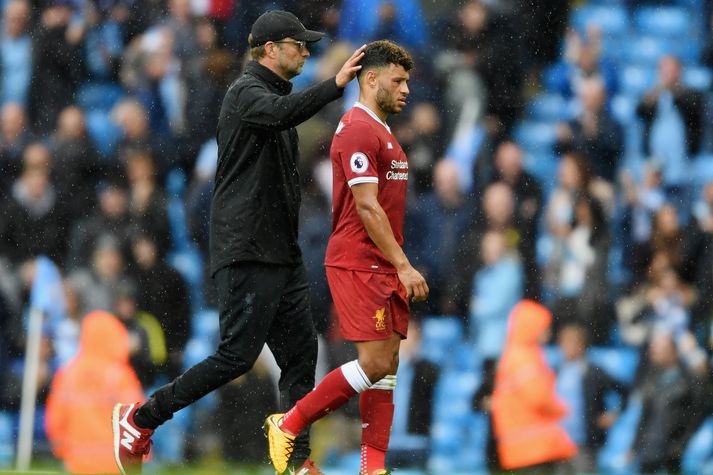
x=526, y=409
x=84, y=392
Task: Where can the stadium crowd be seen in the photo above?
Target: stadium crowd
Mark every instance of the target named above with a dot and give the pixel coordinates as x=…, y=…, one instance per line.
x=108, y=110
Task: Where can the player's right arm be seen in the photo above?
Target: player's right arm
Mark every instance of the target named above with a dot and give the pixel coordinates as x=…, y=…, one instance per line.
x=378, y=228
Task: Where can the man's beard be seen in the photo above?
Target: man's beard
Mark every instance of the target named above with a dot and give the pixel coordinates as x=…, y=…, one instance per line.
x=386, y=102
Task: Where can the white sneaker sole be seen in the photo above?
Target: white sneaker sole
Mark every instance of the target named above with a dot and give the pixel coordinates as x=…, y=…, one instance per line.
x=115, y=428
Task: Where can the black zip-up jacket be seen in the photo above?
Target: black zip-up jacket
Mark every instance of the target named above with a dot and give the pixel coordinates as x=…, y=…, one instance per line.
x=256, y=197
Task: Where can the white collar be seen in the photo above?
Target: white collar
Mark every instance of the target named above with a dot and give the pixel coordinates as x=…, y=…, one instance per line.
x=372, y=114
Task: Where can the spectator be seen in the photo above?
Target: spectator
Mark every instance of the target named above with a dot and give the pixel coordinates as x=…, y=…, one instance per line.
x=509, y=168
x=497, y=288
x=526, y=409
x=34, y=220
x=437, y=223
x=66, y=335
x=497, y=213
x=641, y=203
x=581, y=266
x=76, y=166
x=57, y=64
x=207, y=79
x=162, y=292
x=111, y=217
x=133, y=119
x=594, y=133
x=584, y=386
x=583, y=61
x=697, y=258
x=104, y=41
x=14, y=137
x=413, y=399
x=83, y=394
x=493, y=48
x=672, y=117
x=666, y=238
x=16, y=54
x=422, y=141
x=147, y=345
x=96, y=285
x=669, y=415
x=148, y=209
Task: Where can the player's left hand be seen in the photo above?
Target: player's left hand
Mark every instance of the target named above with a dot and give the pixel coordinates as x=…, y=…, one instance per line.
x=415, y=284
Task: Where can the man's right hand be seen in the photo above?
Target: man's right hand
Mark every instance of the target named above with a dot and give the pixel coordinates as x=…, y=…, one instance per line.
x=415, y=284
x=350, y=68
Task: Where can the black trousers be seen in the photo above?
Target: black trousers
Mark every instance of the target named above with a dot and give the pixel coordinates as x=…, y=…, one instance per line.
x=259, y=303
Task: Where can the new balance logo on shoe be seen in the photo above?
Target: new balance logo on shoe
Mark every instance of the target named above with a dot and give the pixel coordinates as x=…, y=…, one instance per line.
x=131, y=443
x=129, y=434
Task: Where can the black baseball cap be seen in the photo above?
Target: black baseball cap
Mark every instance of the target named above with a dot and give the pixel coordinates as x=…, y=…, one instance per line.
x=278, y=24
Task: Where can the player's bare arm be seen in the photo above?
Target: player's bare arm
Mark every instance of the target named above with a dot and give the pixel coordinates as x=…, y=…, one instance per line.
x=378, y=228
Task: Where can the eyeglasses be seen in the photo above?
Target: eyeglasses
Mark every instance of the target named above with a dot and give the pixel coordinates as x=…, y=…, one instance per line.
x=301, y=45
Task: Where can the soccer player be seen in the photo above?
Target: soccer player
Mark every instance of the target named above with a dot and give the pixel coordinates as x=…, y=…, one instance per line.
x=263, y=293
x=370, y=278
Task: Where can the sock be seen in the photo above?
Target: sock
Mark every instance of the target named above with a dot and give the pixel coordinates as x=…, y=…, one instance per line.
x=377, y=412
x=333, y=392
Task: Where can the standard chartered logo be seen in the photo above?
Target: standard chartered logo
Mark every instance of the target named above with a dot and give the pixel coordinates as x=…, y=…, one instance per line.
x=399, y=170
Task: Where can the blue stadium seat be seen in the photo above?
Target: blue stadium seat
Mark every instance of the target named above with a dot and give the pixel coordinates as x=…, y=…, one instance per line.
x=614, y=456
x=670, y=21
x=619, y=363
x=550, y=107
x=635, y=80
x=699, y=450
x=197, y=349
x=104, y=133
x=440, y=336
x=205, y=325
x=697, y=77
x=99, y=96
x=466, y=358
x=623, y=108
x=536, y=136
x=472, y=453
x=647, y=50
x=702, y=170
x=612, y=20
x=544, y=167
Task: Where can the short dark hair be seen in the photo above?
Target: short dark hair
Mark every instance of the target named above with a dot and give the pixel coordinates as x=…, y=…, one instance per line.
x=382, y=53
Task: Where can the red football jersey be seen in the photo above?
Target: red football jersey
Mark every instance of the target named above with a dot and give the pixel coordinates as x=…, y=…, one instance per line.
x=364, y=151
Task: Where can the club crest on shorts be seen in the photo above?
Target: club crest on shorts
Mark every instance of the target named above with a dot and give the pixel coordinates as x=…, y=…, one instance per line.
x=359, y=162
x=380, y=319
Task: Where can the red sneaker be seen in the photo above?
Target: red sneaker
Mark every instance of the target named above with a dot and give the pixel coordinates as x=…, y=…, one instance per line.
x=131, y=443
x=307, y=468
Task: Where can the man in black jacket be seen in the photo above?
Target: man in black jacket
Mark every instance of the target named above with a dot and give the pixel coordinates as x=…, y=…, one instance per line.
x=263, y=293
x=583, y=386
x=673, y=124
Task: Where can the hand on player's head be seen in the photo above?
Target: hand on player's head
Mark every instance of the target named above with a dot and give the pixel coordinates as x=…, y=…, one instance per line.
x=350, y=68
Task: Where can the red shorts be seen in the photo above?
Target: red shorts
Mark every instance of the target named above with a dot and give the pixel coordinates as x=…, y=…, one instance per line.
x=370, y=306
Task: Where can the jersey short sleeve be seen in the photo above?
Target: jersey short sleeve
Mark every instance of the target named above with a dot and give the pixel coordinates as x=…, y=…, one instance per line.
x=358, y=148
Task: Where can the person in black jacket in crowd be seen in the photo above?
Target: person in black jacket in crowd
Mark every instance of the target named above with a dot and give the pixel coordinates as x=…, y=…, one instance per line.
x=672, y=409
x=162, y=292
x=673, y=125
x=263, y=292
x=584, y=386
